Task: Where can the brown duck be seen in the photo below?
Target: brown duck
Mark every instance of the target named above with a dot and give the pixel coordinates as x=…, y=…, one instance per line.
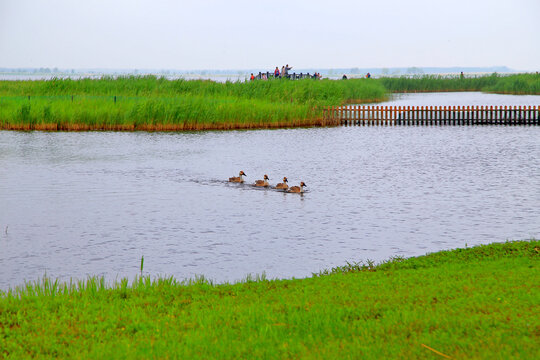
x=297, y=189
x=262, y=182
x=239, y=178
x=283, y=185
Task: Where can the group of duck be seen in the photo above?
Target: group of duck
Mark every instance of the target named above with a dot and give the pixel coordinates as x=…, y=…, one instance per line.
x=264, y=183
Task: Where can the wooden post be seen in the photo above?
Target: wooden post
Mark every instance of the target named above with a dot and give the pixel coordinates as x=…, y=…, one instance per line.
x=442, y=114
x=481, y=113
x=363, y=115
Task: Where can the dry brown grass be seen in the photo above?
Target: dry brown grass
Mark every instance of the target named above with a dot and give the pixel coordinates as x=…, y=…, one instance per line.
x=318, y=122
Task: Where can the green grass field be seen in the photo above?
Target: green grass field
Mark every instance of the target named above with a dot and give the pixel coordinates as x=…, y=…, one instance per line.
x=475, y=303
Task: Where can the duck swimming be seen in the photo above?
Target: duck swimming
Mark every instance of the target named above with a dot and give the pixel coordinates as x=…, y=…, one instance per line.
x=297, y=189
x=239, y=178
x=262, y=182
x=283, y=185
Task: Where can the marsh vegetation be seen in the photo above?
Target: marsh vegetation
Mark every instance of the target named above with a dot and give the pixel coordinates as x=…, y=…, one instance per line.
x=151, y=103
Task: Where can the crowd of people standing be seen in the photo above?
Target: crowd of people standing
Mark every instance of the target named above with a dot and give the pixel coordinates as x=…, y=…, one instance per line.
x=283, y=74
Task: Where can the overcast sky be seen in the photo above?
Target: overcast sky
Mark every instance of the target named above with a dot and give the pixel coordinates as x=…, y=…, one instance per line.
x=251, y=34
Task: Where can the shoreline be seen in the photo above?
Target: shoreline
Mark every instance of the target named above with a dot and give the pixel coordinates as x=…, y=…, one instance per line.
x=54, y=127
x=393, y=263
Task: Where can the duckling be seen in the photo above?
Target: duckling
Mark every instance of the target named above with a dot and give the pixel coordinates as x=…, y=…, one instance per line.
x=262, y=182
x=297, y=189
x=283, y=185
x=238, y=179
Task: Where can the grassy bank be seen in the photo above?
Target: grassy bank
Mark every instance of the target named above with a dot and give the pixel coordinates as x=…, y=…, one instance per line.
x=520, y=84
x=157, y=104
x=150, y=103
x=481, y=302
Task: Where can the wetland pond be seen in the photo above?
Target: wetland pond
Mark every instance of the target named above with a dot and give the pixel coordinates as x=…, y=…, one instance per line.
x=92, y=203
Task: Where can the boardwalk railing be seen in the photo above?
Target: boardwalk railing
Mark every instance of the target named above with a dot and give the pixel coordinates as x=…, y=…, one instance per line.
x=434, y=115
x=292, y=76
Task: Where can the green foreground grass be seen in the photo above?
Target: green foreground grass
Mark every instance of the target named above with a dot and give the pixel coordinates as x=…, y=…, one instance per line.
x=480, y=302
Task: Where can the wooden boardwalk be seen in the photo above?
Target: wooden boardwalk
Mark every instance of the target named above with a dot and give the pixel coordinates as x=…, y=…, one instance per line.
x=434, y=115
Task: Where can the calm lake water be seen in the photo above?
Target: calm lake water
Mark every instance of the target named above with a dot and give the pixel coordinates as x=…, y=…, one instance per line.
x=79, y=204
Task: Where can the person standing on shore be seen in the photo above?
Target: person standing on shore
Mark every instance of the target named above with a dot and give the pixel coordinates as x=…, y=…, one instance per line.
x=287, y=68
x=276, y=73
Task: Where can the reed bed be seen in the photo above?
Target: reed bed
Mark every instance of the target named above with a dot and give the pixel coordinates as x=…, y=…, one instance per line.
x=479, y=302
x=524, y=84
x=152, y=114
x=156, y=104
x=508, y=84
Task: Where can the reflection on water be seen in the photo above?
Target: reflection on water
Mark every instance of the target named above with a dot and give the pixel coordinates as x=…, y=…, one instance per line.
x=78, y=204
x=462, y=99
